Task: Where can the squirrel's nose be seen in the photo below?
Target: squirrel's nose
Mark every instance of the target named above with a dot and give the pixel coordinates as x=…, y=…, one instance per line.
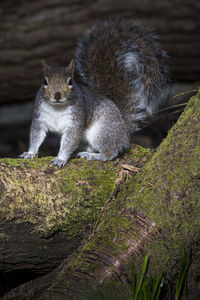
x=57, y=96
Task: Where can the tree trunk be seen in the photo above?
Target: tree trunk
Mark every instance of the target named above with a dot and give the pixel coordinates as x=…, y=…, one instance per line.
x=153, y=211
x=31, y=31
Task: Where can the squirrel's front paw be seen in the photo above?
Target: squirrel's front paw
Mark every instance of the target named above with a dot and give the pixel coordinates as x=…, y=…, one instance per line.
x=27, y=155
x=59, y=162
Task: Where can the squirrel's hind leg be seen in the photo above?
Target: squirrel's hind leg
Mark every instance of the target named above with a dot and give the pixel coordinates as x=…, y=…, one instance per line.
x=107, y=135
x=96, y=156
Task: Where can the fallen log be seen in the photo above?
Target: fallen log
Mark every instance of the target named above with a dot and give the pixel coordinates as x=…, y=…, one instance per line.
x=45, y=212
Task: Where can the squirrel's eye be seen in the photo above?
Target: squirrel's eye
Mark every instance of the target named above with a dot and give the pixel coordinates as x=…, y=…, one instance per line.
x=45, y=82
x=70, y=82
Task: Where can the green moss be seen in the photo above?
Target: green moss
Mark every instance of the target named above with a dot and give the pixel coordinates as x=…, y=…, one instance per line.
x=36, y=163
x=165, y=191
x=138, y=154
x=109, y=228
x=15, y=162
x=70, y=198
x=139, y=151
x=87, y=187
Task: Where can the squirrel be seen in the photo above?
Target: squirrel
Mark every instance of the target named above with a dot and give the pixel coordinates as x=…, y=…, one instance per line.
x=117, y=80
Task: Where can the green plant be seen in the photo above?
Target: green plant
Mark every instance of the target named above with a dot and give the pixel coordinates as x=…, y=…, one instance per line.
x=181, y=287
x=149, y=288
x=146, y=288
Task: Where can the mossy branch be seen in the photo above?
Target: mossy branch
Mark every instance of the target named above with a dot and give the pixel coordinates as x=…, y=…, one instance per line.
x=46, y=211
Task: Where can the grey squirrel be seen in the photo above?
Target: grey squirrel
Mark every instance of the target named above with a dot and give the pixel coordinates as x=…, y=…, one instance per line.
x=118, y=78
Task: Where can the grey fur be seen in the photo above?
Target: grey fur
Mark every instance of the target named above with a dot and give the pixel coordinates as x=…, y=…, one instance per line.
x=83, y=109
x=71, y=112
x=125, y=62
x=120, y=79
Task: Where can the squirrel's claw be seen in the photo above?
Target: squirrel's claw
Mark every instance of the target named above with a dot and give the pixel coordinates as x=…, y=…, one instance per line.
x=59, y=162
x=27, y=155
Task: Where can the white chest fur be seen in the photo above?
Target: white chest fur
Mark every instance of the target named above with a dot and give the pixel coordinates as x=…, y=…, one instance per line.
x=56, y=118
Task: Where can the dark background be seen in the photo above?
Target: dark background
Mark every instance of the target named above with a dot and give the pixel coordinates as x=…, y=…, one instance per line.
x=45, y=29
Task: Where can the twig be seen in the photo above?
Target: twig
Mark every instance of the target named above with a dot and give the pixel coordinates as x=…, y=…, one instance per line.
x=172, y=106
x=130, y=168
x=183, y=93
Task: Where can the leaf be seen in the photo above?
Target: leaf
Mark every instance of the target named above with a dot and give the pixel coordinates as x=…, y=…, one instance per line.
x=133, y=281
x=157, y=287
x=181, y=281
x=144, y=269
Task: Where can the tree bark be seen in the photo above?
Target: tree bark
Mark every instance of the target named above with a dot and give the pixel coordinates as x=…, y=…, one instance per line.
x=152, y=211
x=39, y=200
x=46, y=212
x=31, y=31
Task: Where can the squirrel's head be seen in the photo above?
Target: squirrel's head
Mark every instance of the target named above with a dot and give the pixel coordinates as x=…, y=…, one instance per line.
x=58, y=83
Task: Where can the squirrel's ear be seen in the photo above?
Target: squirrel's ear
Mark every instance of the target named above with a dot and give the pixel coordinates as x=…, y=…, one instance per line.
x=70, y=68
x=46, y=68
